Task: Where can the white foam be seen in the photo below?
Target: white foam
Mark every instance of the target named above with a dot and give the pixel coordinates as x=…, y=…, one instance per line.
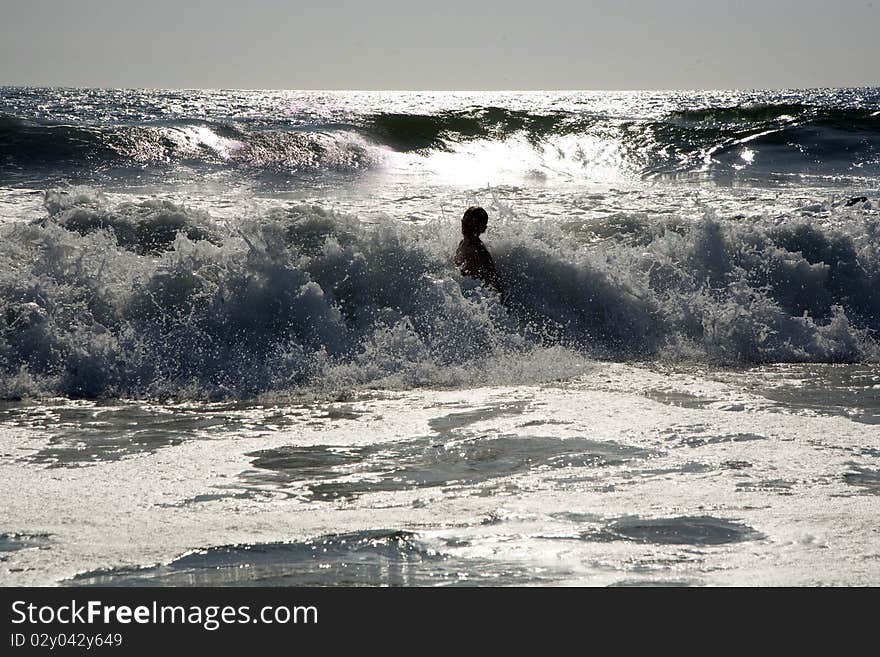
x=815, y=528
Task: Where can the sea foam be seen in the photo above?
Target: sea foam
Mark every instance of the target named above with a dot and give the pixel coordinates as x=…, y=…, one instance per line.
x=155, y=299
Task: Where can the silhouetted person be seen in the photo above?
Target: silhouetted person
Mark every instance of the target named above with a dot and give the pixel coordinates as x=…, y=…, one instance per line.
x=472, y=257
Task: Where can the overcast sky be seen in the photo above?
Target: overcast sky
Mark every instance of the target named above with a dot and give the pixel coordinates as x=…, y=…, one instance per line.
x=447, y=44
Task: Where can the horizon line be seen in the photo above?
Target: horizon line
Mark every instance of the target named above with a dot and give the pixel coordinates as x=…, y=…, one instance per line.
x=422, y=90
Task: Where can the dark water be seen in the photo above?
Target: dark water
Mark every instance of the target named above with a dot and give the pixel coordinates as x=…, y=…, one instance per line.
x=369, y=558
x=703, y=530
x=426, y=462
x=13, y=542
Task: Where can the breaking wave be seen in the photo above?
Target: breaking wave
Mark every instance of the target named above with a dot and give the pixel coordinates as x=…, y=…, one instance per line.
x=748, y=140
x=155, y=299
x=31, y=144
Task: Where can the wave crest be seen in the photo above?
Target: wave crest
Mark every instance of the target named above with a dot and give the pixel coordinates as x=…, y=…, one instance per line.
x=36, y=145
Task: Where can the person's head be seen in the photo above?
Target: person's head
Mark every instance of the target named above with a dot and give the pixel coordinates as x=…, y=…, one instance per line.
x=474, y=221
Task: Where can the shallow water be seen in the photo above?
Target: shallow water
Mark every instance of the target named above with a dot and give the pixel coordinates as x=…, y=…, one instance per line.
x=597, y=480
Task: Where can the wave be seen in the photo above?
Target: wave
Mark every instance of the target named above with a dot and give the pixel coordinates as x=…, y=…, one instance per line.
x=32, y=144
x=770, y=138
x=153, y=299
x=759, y=140
x=438, y=131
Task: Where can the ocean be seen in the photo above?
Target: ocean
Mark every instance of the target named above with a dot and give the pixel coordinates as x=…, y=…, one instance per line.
x=234, y=349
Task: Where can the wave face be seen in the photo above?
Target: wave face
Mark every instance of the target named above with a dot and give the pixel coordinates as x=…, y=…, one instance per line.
x=792, y=138
x=758, y=135
x=71, y=149
x=149, y=298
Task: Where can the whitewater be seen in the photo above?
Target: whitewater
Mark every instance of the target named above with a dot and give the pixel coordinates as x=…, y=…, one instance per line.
x=234, y=349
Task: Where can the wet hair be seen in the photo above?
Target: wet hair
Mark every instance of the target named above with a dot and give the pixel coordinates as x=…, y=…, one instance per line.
x=474, y=221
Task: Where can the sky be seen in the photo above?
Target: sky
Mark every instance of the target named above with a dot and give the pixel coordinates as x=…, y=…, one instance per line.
x=446, y=44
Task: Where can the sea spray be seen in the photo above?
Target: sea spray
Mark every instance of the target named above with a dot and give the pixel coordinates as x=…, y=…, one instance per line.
x=154, y=299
